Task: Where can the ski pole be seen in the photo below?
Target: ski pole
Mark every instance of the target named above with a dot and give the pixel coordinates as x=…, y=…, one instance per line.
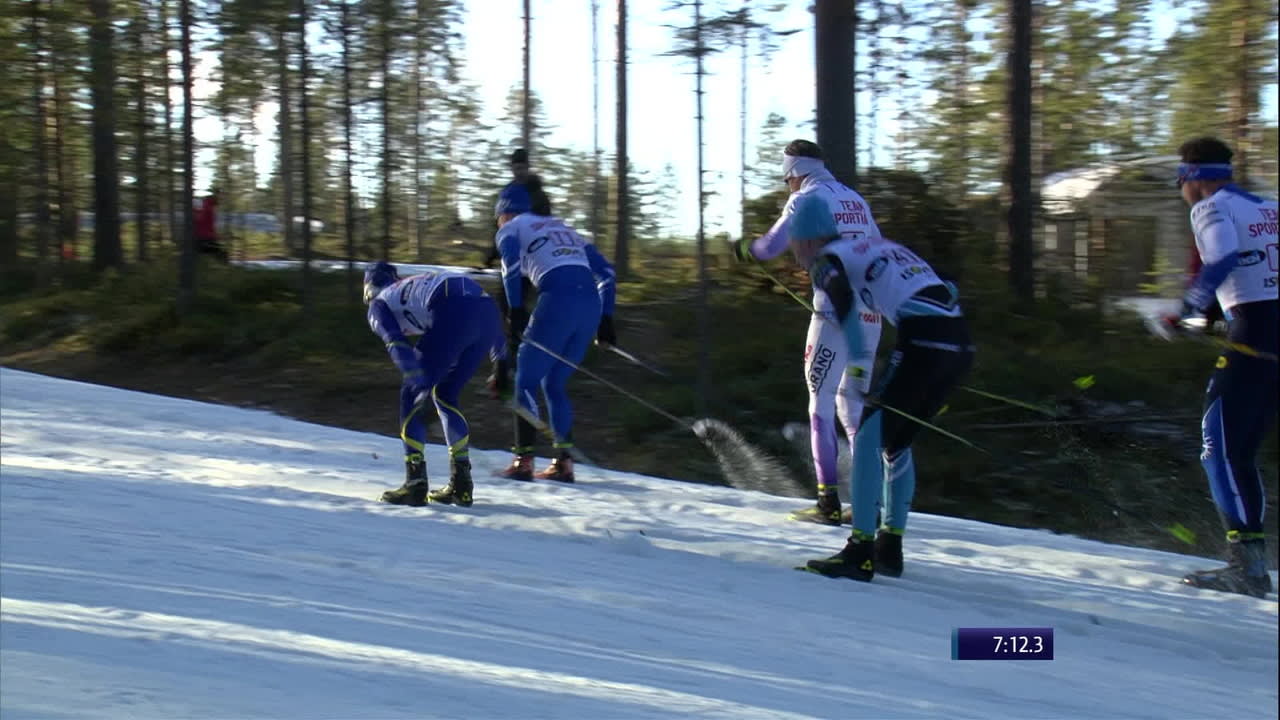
x=541, y=426
x=1083, y=421
x=633, y=359
x=760, y=266
x=624, y=391
x=1016, y=403
x=984, y=393
x=1242, y=348
x=694, y=430
x=1157, y=327
x=738, y=459
x=924, y=423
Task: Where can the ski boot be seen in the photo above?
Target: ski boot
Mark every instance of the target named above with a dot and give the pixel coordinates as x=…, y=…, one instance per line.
x=458, y=491
x=560, y=469
x=414, y=490
x=856, y=561
x=1245, y=573
x=521, y=468
x=889, y=552
x=826, y=512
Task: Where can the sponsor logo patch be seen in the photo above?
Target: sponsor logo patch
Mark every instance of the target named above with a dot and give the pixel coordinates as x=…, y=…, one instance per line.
x=821, y=365
x=1245, y=258
x=876, y=268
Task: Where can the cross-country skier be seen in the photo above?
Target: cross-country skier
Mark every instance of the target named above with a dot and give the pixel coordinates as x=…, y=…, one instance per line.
x=575, y=305
x=833, y=392
x=438, y=328
x=1236, y=241
x=933, y=353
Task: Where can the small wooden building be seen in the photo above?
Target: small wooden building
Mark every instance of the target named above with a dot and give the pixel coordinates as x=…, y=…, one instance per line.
x=1116, y=229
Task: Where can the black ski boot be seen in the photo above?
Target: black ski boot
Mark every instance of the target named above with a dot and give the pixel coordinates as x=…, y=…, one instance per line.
x=856, y=561
x=1245, y=573
x=826, y=512
x=889, y=552
x=414, y=490
x=458, y=492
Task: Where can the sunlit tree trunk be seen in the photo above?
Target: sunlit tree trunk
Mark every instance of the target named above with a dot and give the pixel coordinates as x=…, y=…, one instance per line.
x=704, y=301
x=187, y=261
x=38, y=140
x=385, y=101
x=622, y=234
x=285, y=131
x=304, y=70
x=348, y=192
x=170, y=195
x=1018, y=173
x=142, y=189
x=526, y=127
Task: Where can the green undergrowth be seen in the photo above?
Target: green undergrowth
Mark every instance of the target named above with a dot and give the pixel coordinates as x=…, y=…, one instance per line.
x=248, y=330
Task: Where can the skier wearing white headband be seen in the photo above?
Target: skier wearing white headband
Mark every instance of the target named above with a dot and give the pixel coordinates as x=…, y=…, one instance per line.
x=832, y=391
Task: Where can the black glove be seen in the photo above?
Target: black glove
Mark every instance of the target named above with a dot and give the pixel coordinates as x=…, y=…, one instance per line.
x=605, y=334
x=517, y=321
x=742, y=250
x=499, y=383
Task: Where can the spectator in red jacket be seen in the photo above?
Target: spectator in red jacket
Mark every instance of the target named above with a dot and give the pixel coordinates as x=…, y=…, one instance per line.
x=206, y=223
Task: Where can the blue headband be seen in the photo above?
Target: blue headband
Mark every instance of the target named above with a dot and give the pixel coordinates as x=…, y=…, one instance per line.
x=1206, y=171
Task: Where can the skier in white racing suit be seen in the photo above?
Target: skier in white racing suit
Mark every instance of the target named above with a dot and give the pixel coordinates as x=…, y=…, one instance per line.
x=933, y=353
x=833, y=392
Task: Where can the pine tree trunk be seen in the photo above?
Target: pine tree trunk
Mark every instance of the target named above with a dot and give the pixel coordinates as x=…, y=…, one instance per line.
x=304, y=102
x=385, y=100
x=526, y=127
x=227, y=192
x=622, y=236
x=64, y=171
x=39, y=134
x=170, y=195
x=835, y=28
x=1018, y=175
x=187, y=263
x=1242, y=94
x=704, y=301
x=10, y=160
x=107, y=250
x=349, y=204
x=419, y=59
x=285, y=131
x=595, y=122
x=140, y=150
x=743, y=40
x=960, y=82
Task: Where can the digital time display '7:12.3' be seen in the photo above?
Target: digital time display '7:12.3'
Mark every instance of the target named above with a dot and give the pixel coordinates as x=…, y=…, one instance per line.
x=1002, y=643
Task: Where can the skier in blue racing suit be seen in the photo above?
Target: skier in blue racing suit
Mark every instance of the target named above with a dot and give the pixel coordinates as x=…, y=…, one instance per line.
x=1236, y=240
x=575, y=286
x=438, y=327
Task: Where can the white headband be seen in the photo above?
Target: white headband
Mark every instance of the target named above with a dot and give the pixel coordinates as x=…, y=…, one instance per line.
x=799, y=166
